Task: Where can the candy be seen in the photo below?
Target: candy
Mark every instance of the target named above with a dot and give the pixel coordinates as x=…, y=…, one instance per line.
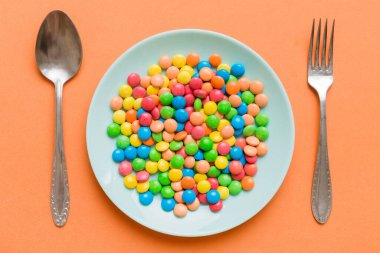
x=198, y=124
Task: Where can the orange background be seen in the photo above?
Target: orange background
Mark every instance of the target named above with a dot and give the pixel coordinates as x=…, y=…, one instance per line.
x=277, y=31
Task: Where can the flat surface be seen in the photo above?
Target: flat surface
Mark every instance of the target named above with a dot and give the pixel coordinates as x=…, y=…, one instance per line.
x=279, y=32
x=236, y=210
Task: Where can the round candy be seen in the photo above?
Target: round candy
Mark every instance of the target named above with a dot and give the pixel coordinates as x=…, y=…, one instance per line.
x=187, y=182
x=130, y=153
x=224, y=179
x=194, y=206
x=189, y=196
x=168, y=204
x=155, y=186
x=202, y=166
x=177, y=161
x=191, y=148
x=213, y=173
x=179, y=102
x=203, y=186
x=237, y=122
x=113, y=130
x=217, y=206
x=223, y=148
x=223, y=73
x=165, y=62
x=262, y=149
x=221, y=162
x=148, y=103
x=138, y=164
x=262, y=133
x=192, y=59
x=118, y=155
x=130, y=181
x=177, y=187
x=146, y=198
x=145, y=119
x=125, y=168
x=166, y=98
x=261, y=100
x=203, y=64
x=183, y=77
x=205, y=143
x=179, y=60
x=247, y=183
x=237, y=70
x=256, y=87
x=213, y=196
x=248, y=97
x=223, y=192
x=198, y=132
x=122, y=141
x=211, y=155
x=167, y=112
x=235, y=167
x=235, y=187
x=144, y=133
x=167, y=192
x=175, y=175
x=116, y=103
x=180, y=210
x=181, y=115
x=143, y=151
x=261, y=119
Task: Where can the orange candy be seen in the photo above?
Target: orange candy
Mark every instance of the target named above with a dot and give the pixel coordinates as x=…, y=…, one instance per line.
x=248, y=119
x=131, y=115
x=149, y=142
x=180, y=136
x=178, y=197
x=155, y=98
x=253, y=109
x=202, y=166
x=167, y=154
x=207, y=87
x=256, y=87
x=135, y=126
x=156, y=126
x=215, y=60
x=262, y=149
x=233, y=88
x=187, y=182
x=235, y=100
x=188, y=139
x=206, y=128
x=192, y=59
x=176, y=186
x=244, y=83
x=227, y=131
x=217, y=82
x=189, y=162
x=261, y=100
x=170, y=126
x=247, y=183
x=206, y=74
x=196, y=118
x=168, y=137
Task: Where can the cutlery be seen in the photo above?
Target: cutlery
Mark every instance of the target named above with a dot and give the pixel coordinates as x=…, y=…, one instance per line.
x=59, y=56
x=320, y=78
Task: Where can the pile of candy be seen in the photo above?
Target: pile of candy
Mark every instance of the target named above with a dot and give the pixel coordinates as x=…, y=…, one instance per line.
x=197, y=124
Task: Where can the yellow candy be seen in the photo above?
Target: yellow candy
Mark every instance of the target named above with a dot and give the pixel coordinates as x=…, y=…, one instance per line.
x=216, y=136
x=137, y=104
x=223, y=191
x=163, y=165
x=126, y=128
x=224, y=66
x=151, y=90
x=199, y=177
x=154, y=69
x=142, y=187
x=119, y=117
x=128, y=103
x=231, y=141
x=223, y=123
x=215, y=146
x=135, y=141
x=175, y=175
x=166, y=82
x=179, y=60
x=151, y=167
x=162, y=146
x=130, y=181
x=210, y=107
x=125, y=91
x=188, y=69
x=203, y=186
x=204, y=114
x=221, y=162
x=184, y=77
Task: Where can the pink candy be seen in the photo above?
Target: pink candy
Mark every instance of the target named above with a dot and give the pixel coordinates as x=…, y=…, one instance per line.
x=139, y=92
x=142, y=176
x=133, y=79
x=196, y=83
x=145, y=119
x=223, y=148
x=214, y=182
x=198, y=132
x=125, y=168
x=216, y=95
x=178, y=90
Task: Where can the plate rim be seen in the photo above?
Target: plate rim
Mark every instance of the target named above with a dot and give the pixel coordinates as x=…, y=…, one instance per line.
x=221, y=36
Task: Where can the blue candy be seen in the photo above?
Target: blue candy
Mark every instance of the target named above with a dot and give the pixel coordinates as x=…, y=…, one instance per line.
x=223, y=74
x=226, y=170
x=237, y=69
x=130, y=153
x=179, y=102
x=212, y=196
x=242, y=109
x=118, y=155
x=181, y=115
x=146, y=198
x=236, y=152
x=168, y=204
x=187, y=172
x=143, y=151
x=161, y=119
x=203, y=64
x=237, y=122
x=242, y=160
x=195, y=75
x=180, y=127
x=144, y=133
x=199, y=155
x=139, y=112
x=188, y=196
x=238, y=132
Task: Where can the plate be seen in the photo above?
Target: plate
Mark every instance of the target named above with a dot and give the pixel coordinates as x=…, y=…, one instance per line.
x=272, y=167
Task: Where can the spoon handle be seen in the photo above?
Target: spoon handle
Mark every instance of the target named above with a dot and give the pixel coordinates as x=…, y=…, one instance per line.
x=59, y=198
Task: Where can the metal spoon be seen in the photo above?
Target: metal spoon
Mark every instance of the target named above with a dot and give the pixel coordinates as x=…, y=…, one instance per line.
x=58, y=55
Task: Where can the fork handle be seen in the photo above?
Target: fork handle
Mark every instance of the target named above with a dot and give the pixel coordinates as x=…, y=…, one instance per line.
x=321, y=190
x=59, y=197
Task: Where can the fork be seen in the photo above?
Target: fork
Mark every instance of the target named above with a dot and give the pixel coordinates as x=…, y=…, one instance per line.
x=320, y=78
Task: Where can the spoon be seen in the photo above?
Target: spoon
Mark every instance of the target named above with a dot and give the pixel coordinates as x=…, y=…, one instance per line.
x=59, y=56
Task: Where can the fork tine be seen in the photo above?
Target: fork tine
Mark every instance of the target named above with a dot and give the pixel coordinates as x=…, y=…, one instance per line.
x=310, y=57
x=331, y=47
x=324, y=65
x=316, y=61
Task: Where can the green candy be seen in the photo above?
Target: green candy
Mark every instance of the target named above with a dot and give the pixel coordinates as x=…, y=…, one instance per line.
x=213, y=172
x=247, y=97
x=177, y=161
x=191, y=148
x=163, y=178
x=235, y=187
x=155, y=186
x=249, y=130
x=138, y=164
x=175, y=145
x=157, y=137
x=262, y=133
x=167, y=192
x=233, y=112
x=262, y=119
x=224, y=107
x=167, y=112
x=122, y=141
x=232, y=79
x=224, y=179
x=206, y=143
x=166, y=98
x=212, y=121
x=154, y=155
x=228, y=156
x=211, y=155
x=197, y=104
x=113, y=130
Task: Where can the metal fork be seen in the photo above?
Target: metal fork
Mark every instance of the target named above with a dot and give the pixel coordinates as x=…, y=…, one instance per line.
x=320, y=77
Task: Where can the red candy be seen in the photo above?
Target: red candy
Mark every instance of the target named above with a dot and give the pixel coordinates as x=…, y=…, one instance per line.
x=241, y=143
x=217, y=206
x=155, y=113
x=133, y=79
x=216, y=95
x=138, y=92
x=182, y=152
x=142, y=176
x=196, y=83
x=202, y=198
x=145, y=119
x=238, y=176
x=200, y=93
x=178, y=90
x=223, y=148
x=189, y=110
x=214, y=182
x=198, y=132
x=251, y=159
x=148, y=103
x=189, y=99
x=188, y=127
x=250, y=169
